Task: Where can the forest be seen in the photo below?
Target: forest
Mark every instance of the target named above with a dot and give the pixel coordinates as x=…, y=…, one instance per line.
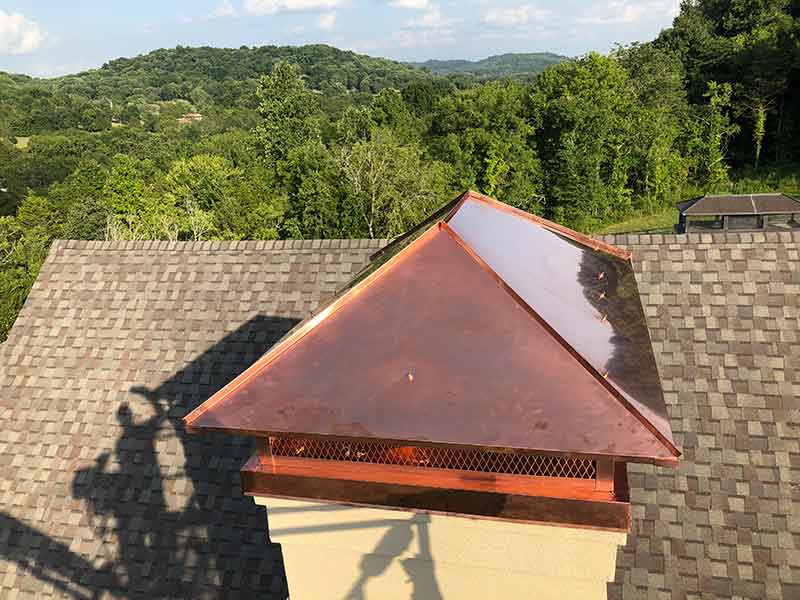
x=315, y=142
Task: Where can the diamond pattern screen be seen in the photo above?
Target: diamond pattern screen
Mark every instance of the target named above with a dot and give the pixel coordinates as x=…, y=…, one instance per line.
x=439, y=457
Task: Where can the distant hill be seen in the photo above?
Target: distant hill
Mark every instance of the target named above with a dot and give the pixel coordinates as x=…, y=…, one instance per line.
x=227, y=75
x=176, y=72
x=205, y=76
x=501, y=65
x=227, y=78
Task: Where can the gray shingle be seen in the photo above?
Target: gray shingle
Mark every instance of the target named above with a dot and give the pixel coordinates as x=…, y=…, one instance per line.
x=715, y=526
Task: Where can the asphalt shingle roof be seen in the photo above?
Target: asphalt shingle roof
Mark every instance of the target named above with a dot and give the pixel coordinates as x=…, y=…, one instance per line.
x=102, y=492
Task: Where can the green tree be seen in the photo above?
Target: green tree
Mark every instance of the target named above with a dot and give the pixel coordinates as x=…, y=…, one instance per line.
x=24, y=243
x=310, y=177
x=485, y=134
x=582, y=111
x=388, y=186
x=751, y=45
x=125, y=187
x=708, y=136
x=658, y=168
x=289, y=112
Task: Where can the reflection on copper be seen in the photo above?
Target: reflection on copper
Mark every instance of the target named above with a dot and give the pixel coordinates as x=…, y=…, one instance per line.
x=561, y=279
x=434, y=310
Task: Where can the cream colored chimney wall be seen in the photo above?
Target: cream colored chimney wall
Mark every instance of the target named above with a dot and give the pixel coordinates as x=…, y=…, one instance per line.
x=341, y=552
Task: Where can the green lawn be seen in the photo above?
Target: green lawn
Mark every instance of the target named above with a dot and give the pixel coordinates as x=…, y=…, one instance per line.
x=662, y=222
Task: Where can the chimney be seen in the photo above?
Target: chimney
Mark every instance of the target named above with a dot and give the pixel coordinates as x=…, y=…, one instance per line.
x=457, y=422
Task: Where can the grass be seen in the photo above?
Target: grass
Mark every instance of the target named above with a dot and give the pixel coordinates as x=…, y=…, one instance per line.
x=660, y=222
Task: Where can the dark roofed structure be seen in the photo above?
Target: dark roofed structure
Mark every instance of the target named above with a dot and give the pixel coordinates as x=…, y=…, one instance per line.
x=739, y=211
x=102, y=491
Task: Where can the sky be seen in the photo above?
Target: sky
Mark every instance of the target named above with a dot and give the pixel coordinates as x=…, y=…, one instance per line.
x=53, y=37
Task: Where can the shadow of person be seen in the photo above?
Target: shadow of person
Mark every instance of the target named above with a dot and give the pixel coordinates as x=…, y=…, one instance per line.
x=420, y=569
x=396, y=541
x=111, y=494
x=171, y=503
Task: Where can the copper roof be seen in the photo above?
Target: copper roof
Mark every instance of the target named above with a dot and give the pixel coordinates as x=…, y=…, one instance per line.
x=740, y=204
x=487, y=327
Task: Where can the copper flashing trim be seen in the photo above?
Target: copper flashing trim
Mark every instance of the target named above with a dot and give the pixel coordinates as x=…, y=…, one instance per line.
x=568, y=233
x=403, y=374
x=509, y=498
x=604, y=478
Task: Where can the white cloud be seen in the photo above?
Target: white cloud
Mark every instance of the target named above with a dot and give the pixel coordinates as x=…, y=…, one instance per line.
x=432, y=28
x=225, y=10
x=616, y=12
x=515, y=16
x=18, y=34
x=412, y=4
x=433, y=18
x=327, y=21
x=270, y=7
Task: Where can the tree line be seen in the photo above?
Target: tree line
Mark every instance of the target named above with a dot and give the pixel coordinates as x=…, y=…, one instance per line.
x=323, y=143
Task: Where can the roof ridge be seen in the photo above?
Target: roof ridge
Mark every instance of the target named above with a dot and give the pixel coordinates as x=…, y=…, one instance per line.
x=600, y=377
x=743, y=195
x=706, y=237
x=217, y=245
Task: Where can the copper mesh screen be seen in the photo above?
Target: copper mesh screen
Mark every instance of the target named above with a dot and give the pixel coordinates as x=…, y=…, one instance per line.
x=539, y=465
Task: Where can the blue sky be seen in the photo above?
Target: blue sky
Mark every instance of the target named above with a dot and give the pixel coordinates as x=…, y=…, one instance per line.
x=52, y=37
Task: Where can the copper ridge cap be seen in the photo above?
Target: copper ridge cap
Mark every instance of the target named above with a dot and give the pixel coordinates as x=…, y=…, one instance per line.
x=610, y=387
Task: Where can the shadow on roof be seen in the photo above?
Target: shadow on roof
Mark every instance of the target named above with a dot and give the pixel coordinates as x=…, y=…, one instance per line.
x=212, y=548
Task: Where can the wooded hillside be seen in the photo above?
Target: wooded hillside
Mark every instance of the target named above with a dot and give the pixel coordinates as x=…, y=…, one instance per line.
x=520, y=65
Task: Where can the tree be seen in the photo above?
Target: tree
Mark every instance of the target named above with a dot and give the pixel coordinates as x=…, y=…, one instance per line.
x=582, y=111
x=310, y=177
x=24, y=243
x=484, y=133
x=658, y=167
x=388, y=187
x=708, y=136
x=252, y=212
x=289, y=112
x=751, y=45
x=125, y=187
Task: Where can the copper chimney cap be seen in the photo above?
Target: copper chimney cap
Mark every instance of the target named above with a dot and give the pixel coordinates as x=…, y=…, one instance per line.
x=485, y=327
